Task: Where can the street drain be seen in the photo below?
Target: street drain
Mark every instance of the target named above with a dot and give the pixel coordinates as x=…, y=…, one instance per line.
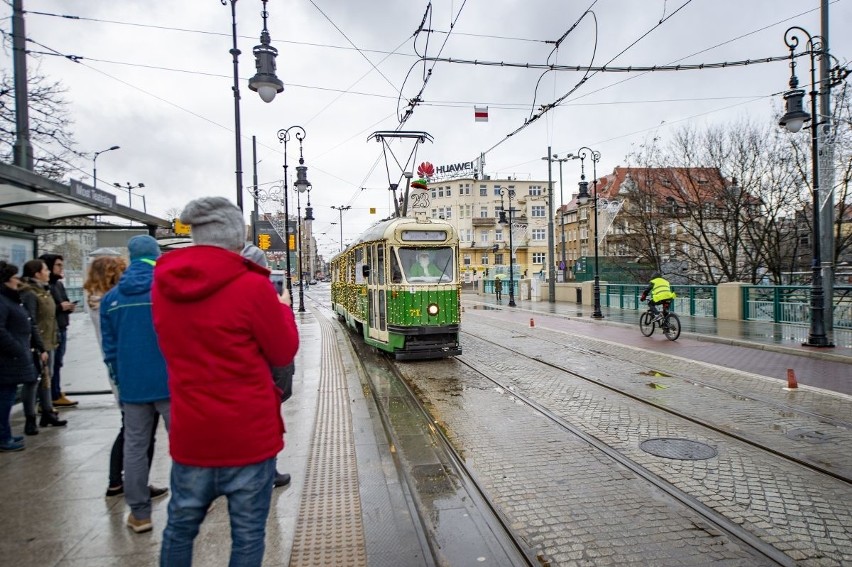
x=673, y=448
x=808, y=435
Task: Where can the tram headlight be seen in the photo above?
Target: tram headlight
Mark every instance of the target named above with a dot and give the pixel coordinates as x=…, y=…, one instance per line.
x=432, y=309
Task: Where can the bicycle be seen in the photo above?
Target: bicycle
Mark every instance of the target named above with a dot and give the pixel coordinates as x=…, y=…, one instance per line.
x=669, y=323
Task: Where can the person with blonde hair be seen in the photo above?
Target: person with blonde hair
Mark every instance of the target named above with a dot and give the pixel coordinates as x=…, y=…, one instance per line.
x=104, y=273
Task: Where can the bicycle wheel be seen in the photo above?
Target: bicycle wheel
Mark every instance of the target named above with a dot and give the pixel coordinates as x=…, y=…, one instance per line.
x=671, y=327
x=646, y=323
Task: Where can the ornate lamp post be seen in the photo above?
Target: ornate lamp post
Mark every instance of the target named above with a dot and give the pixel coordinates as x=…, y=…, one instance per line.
x=583, y=198
x=95, y=164
x=262, y=82
x=793, y=119
x=340, y=210
x=510, y=194
x=284, y=137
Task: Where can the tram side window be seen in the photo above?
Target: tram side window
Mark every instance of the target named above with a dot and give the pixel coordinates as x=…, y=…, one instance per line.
x=429, y=265
x=396, y=273
x=380, y=262
x=359, y=261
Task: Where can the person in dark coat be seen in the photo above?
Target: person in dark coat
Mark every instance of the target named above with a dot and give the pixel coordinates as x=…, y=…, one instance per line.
x=17, y=341
x=64, y=308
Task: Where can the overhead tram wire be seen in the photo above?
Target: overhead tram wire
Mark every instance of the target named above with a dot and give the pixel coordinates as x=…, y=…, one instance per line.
x=355, y=46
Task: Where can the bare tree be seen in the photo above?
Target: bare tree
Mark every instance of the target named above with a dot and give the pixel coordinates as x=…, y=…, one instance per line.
x=50, y=125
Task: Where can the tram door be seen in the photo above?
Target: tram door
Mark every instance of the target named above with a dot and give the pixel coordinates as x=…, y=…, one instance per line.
x=377, y=293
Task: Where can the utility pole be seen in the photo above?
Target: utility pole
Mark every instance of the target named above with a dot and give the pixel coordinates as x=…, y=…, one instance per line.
x=340, y=210
x=826, y=176
x=254, y=192
x=551, y=253
x=23, y=149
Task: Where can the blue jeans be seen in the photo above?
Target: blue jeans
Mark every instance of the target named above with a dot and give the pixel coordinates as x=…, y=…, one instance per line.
x=249, y=491
x=58, y=358
x=7, y=400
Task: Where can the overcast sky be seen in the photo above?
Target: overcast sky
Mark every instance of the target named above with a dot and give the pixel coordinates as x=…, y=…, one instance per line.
x=156, y=79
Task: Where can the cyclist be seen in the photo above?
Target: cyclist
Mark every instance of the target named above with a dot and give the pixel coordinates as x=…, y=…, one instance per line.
x=660, y=291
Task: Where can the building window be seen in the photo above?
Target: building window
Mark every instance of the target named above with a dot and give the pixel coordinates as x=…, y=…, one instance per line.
x=537, y=211
x=538, y=257
x=448, y=212
x=496, y=190
x=498, y=259
x=535, y=190
x=466, y=260
x=434, y=193
x=434, y=213
x=440, y=191
x=538, y=234
x=483, y=212
x=483, y=236
x=449, y=191
x=483, y=191
x=485, y=259
x=498, y=235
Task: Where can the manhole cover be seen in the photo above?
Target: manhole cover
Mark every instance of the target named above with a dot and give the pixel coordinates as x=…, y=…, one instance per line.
x=808, y=435
x=682, y=449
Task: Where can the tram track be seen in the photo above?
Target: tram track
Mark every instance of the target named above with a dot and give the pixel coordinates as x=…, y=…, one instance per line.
x=744, y=438
x=453, y=438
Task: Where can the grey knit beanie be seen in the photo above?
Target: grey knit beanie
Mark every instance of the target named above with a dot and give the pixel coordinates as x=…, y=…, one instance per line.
x=256, y=255
x=215, y=221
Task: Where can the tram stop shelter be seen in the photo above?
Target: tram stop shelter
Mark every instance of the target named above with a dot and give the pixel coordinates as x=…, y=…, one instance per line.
x=29, y=202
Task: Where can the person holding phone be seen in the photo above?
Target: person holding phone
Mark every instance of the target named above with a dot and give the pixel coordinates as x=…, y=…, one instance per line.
x=64, y=308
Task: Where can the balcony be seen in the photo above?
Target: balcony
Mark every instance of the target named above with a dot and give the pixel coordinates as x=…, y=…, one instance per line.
x=484, y=221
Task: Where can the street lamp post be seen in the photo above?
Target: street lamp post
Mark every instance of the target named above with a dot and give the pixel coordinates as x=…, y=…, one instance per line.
x=793, y=120
x=284, y=137
x=583, y=198
x=95, y=164
x=130, y=188
x=509, y=193
x=340, y=210
x=562, y=211
x=263, y=80
x=551, y=244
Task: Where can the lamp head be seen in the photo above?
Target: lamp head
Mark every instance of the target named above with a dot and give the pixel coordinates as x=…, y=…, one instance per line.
x=302, y=184
x=583, y=197
x=265, y=82
x=795, y=115
x=115, y=148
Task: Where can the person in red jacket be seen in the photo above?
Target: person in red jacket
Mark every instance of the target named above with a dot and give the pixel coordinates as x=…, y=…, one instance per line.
x=221, y=327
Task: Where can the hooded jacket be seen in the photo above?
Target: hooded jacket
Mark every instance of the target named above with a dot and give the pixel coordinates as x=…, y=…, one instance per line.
x=128, y=340
x=57, y=289
x=221, y=328
x=38, y=300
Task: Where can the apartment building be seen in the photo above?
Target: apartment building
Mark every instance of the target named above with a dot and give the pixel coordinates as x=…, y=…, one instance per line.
x=473, y=207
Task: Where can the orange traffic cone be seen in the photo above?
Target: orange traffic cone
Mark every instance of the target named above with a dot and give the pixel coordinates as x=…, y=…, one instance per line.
x=791, y=380
x=532, y=323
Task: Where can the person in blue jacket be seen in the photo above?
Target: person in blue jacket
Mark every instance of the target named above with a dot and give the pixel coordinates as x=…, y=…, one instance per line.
x=135, y=363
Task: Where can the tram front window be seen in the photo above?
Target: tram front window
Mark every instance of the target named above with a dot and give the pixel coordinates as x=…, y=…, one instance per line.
x=427, y=265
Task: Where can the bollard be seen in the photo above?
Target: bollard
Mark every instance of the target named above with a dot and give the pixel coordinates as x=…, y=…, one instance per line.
x=532, y=323
x=791, y=380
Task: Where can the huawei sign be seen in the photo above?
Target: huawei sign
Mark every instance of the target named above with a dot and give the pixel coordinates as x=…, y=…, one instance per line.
x=426, y=170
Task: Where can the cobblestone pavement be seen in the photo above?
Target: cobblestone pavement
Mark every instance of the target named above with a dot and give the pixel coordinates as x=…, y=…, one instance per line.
x=580, y=507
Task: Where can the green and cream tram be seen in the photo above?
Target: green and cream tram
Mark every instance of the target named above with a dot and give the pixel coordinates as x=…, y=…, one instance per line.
x=398, y=286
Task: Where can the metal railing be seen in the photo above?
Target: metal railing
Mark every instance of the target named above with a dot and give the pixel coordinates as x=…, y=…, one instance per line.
x=791, y=304
x=692, y=300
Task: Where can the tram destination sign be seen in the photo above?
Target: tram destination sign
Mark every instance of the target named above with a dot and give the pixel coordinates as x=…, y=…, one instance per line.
x=423, y=235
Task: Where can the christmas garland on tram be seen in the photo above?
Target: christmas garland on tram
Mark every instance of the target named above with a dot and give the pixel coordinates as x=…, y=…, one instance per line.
x=398, y=287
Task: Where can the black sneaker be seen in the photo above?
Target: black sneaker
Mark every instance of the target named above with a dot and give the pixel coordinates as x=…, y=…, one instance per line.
x=157, y=492
x=281, y=479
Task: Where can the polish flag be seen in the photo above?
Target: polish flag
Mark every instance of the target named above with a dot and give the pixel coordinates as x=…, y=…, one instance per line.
x=480, y=113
